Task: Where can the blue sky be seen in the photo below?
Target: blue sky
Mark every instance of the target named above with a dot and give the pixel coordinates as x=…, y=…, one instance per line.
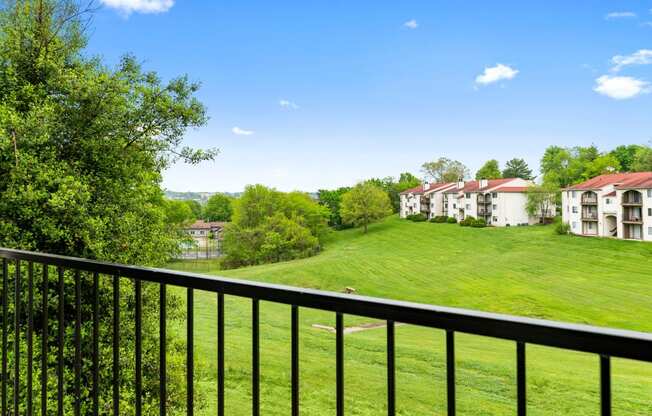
x=308, y=95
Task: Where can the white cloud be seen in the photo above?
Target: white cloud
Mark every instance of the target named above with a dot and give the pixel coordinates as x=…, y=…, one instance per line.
x=495, y=74
x=619, y=15
x=646, y=24
x=621, y=88
x=411, y=24
x=139, y=6
x=241, y=132
x=288, y=104
x=640, y=57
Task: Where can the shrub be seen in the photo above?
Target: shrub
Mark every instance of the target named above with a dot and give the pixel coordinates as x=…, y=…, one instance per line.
x=451, y=220
x=562, y=228
x=467, y=221
x=417, y=217
x=439, y=219
x=479, y=223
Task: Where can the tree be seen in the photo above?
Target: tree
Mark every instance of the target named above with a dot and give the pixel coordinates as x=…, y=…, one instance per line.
x=195, y=208
x=445, y=170
x=178, y=212
x=219, y=207
x=331, y=200
x=626, y=154
x=603, y=164
x=490, y=170
x=541, y=201
x=642, y=160
x=82, y=149
x=517, y=168
x=364, y=204
x=269, y=226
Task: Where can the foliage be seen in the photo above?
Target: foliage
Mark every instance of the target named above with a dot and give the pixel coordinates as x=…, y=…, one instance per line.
x=219, y=207
x=517, y=168
x=467, y=221
x=490, y=170
x=195, y=208
x=416, y=217
x=331, y=200
x=451, y=220
x=478, y=223
x=561, y=227
x=365, y=204
x=440, y=219
x=626, y=155
x=562, y=167
x=445, y=170
x=82, y=148
x=541, y=201
x=642, y=160
x=271, y=226
x=178, y=212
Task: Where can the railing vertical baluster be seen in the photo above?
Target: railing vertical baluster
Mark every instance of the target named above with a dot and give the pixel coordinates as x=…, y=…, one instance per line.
x=139, y=346
x=162, y=350
x=450, y=372
x=78, y=318
x=255, y=361
x=220, y=354
x=96, y=344
x=339, y=363
x=190, y=357
x=5, y=284
x=521, y=389
x=605, y=385
x=391, y=382
x=60, y=340
x=116, y=345
x=295, y=360
x=30, y=334
x=17, y=339
x=44, y=344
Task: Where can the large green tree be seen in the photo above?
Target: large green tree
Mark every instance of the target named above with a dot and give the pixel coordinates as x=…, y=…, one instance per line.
x=642, y=160
x=82, y=148
x=490, y=170
x=445, y=170
x=626, y=154
x=364, y=204
x=517, y=168
x=331, y=199
x=219, y=207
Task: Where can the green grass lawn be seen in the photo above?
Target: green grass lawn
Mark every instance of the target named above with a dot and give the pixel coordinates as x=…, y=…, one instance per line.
x=525, y=271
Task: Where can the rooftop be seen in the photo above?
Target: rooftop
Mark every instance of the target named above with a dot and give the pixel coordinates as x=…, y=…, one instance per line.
x=617, y=180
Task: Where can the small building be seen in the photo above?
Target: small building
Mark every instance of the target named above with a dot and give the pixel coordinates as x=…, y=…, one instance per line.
x=616, y=205
x=426, y=199
x=206, y=236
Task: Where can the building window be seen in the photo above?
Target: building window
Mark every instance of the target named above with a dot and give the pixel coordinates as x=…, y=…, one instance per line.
x=574, y=194
x=494, y=207
x=495, y=219
x=494, y=194
x=468, y=206
x=574, y=210
x=649, y=212
x=649, y=193
x=574, y=225
x=649, y=230
x=454, y=206
x=467, y=195
x=608, y=201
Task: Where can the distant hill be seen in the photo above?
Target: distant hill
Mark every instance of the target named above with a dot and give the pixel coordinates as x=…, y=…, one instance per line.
x=203, y=196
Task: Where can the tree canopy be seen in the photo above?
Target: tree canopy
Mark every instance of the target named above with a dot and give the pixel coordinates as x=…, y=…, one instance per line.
x=490, y=170
x=219, y=207
x=445, y=170
x=517, y=168
x=364, y=204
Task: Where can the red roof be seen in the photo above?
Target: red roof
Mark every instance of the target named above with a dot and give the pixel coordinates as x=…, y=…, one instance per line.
x=512, y=189
x=474, y=186
x=433, y=187
x=619, y=180
x=203, y=225
x=612, y=193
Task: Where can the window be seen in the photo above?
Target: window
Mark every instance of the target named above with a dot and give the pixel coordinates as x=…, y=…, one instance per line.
x=494, y=207
x=574, y=194
x=468, y=206
x=454, y=206
x=446, y=205
x=649, y=193
x=607, y=201
x=495, y=219
x=574, y=225
x=494, y=194
x=649, y=230
x=649, y=212
x=467, y=195
x=574, y=210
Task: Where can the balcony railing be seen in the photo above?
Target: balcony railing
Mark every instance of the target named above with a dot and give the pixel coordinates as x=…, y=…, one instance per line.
x=603, y=342
x=589, y=200
x=590, y=216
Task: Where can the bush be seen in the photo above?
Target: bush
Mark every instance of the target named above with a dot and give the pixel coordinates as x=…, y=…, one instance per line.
x=416, y=217
x=467, y=221
x=439, y=219
x=451, y=220
x=562, y=228
x=479, y=223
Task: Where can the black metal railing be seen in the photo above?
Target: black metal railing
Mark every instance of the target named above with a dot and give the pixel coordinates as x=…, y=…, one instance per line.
x=604, y=342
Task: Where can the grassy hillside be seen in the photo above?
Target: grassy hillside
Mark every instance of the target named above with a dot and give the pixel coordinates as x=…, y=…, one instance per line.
x=524, y=271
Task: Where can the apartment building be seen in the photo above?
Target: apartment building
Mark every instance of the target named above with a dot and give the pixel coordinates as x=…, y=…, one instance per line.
x=500, y=202
x=616, y=205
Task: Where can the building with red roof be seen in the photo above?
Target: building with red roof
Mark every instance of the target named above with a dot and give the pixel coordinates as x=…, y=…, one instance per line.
x=615, y=205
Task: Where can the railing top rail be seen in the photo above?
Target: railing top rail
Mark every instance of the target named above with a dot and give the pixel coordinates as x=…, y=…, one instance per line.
x=598, y=340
